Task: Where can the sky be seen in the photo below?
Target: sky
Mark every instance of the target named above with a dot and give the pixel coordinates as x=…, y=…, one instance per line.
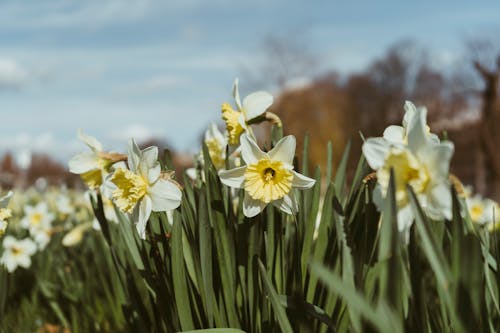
x=121, y=69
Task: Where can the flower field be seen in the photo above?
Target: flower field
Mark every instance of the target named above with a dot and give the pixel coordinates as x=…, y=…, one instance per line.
x=254, y=239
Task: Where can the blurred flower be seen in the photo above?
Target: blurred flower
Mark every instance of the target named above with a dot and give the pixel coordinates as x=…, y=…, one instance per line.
x=17, y=253
x=143, y=188
x=483, y=211
x=38, y=220
x=253, y=106
x=75, y=235
x=5, y=213
x=420, y=161
x=267, y=177
x=93, y=166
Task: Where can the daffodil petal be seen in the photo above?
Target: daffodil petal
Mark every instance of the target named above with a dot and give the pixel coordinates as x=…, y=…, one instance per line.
x=144, y=213
x=302, y=182
x=417, y=131
x=83, y=162
x=405, y=218
x=287, y=204
x=250, y=152
x=165, y=196
x=153, y=173
x=134, y=155
x=252, y=207
x=437, y=157
x=440, y=203
x=233, y=177
x=236, y=94
x=375, y=151
x=150, y=156
x=90, y=141
x=394, y=134
x=257, y=103
x=284, y=151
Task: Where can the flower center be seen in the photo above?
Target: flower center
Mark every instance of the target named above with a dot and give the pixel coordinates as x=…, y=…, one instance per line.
x=476, y=211
x=15, y=250
x=35, y=219
x=92, y=178
x=267, y=180
x=407, y=170
x=234, y=128
x=5, y=213
x=130, y=189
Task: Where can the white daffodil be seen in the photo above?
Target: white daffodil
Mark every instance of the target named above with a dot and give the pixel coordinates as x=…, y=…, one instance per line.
x=17, y=253
x=93, y=166
x=399, y=134
x=253, y=106
x=38, y=220
x=5, y=213
x=143, y=188
x=267, y=177
x=483, y=211
x=37, y=217
x=421, y=162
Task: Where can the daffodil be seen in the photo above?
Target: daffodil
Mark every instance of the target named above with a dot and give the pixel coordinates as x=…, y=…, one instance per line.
x=5, y=213
x=483, y=211
x=93, y=166
x=418, y=160
x=142, y=188
x=17, y=253
x=253, y=106
x=267, y=177
x=38, y=220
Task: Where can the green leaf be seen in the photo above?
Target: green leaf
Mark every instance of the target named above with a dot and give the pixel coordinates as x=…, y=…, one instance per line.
x=279, y=310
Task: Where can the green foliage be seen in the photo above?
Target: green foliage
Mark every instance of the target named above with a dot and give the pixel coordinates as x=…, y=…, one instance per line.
x=207, y=268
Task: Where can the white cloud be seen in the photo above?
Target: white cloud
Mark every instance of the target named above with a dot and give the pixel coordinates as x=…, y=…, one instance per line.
x=12, y=75
x=154, y=84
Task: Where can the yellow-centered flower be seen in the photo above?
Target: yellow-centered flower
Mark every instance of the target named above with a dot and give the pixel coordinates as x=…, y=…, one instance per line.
x=17, y=253
x=419, y=160
x=142, y=188
x=267, y=177
x=253, y=106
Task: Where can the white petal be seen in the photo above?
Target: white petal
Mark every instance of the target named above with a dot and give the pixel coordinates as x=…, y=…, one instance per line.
x=9, y=241
x=4, y=201
x=90, y=141
x=437, y=157
x=165, y=196
x=153, y=173
x=252, y=207
x=410, y=112
x=134, y=155
x=236, y=94
x=284, y=150
x=84, y=162
x=257, y=103
x=23, y=261
x=144, y=213
x=233, y=177
x=417, y=131
x=149, y=156
x=287, y=204
x=405, y=218
x=375, y=151
x=250, y=152
x=394, y=134
x=302, y=182
x=439, y=202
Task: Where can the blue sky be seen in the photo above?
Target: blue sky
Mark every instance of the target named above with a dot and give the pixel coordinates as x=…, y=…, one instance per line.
x=162, y=68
